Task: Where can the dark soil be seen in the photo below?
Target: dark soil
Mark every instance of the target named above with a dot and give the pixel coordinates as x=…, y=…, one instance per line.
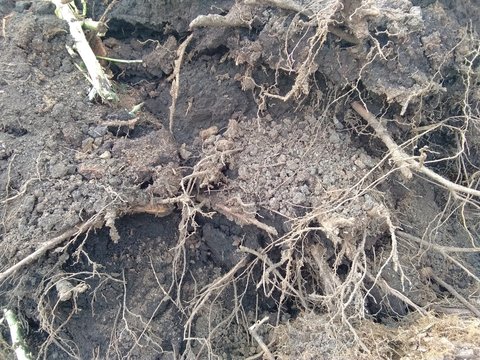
x=242, y=169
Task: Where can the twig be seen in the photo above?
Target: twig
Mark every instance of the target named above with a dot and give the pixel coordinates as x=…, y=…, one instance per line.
x=343, y=35
x=176, y=79
x=260, y=353
x=50, y=244
x=402, y=159
x=107, y=10
x=428, y=273
x=159, y=210
x=253, y=331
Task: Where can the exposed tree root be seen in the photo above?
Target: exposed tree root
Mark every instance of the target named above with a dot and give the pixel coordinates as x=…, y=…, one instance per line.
x=241, y=218
x=129, y=123
x=175, y=77
x=253, y=331
x=441, y=249
x=429, y=274
x=50, y=244
x=407, y=163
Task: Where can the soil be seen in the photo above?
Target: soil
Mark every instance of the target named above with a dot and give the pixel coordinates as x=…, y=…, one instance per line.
x=269, y=198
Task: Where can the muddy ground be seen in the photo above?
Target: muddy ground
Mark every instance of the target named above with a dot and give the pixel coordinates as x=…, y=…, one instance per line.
x=270, y=198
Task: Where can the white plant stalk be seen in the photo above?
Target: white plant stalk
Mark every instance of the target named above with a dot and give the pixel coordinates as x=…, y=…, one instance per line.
x=98, y=79
x=18, y=343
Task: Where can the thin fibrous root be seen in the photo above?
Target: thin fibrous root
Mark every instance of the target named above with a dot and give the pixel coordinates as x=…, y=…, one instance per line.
x=175, y=77
x=387, y=289
x=48, y=245
x=97, y=76
x=401, y=158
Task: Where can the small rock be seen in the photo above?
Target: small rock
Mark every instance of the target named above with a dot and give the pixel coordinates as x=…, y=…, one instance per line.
x=243, y=173
x=97, y=131
x=253, y=151
x=292, y=165
x=58, y=110
x=338, y=124
x=367, y=160
x=273, y=203
x=106, y=155
x=38, y=193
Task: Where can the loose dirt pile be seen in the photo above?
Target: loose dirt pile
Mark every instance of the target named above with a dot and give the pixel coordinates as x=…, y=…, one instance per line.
x=279, y=179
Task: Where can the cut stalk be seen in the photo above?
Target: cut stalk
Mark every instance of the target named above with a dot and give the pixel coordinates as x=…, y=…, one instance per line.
x=18, y=343
x=98, y=79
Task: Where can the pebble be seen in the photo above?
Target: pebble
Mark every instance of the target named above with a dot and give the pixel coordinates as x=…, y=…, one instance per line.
x=106, y=155
x=97, y=131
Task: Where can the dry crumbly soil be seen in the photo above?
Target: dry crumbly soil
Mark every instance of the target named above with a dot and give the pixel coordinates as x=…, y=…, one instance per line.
x=270, y=198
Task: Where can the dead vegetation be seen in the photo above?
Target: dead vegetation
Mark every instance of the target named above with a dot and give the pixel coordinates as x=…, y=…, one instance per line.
x=309, y=271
